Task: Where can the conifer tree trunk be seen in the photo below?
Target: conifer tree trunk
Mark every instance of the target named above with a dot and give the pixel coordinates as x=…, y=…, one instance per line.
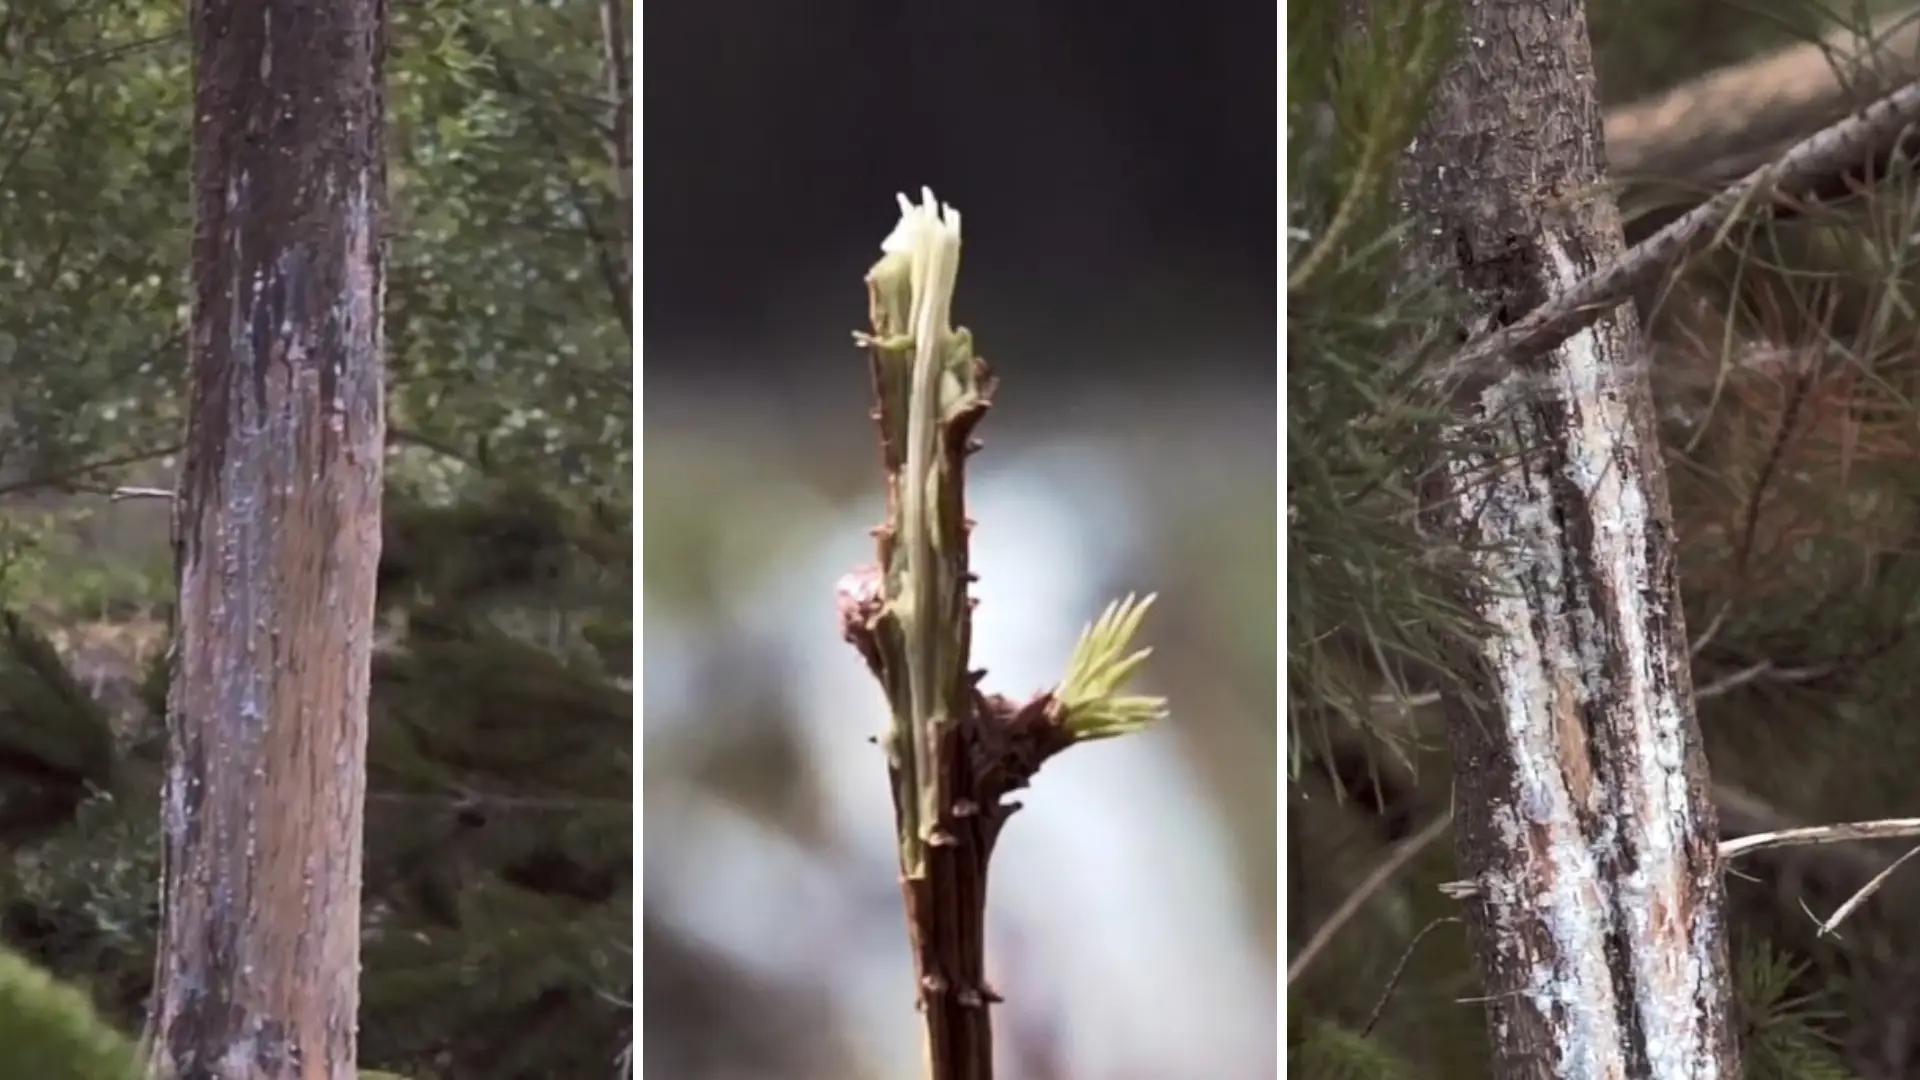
x=1583, y=812
x=277, y=534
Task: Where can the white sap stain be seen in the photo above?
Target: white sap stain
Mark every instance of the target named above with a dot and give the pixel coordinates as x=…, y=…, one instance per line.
x=1514, y=508
x=1597, y=398
x=1515, y=514
x=266, y=46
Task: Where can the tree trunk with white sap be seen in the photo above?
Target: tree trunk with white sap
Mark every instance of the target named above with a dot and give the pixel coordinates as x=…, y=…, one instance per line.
x=277, y=531
x=1583, y=814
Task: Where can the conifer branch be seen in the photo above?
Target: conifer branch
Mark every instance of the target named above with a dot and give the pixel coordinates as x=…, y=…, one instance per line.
x=1490, y=356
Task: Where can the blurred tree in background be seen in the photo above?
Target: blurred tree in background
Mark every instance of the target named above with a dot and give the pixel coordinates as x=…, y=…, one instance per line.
x=1783, y=366
x=499, y=864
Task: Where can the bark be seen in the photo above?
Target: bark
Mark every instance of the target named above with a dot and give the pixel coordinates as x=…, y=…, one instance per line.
x=1584, y=816
x=619, y=138
x=277, y=539
x=613, y=40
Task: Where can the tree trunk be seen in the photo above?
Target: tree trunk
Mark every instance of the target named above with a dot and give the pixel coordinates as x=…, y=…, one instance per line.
x=1584, y=819
x=277, y=535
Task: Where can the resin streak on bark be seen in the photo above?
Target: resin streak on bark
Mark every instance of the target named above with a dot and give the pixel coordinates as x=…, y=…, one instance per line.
x=278, y=538
x=1583, y=813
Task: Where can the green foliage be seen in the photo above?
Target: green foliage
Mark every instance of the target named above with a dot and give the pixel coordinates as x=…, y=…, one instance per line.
x=1321, y=1050
x=1785, y=377
x=83, y=900
x=1782, y=1037
x=93, y=229
x=1103, y=660
x=55, y=741
x=1369, y=595
x=508, y=307
x=51, y=1031
x=499, y=861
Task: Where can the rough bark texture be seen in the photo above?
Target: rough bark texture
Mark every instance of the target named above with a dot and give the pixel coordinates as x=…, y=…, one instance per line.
x=278, y=538
x=1583, y=810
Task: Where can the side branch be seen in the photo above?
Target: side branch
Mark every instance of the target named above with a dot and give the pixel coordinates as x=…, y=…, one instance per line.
x=1491, y=356
x=1884, y=829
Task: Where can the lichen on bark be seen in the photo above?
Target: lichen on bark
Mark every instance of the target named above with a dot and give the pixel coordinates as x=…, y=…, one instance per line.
x=277, y=538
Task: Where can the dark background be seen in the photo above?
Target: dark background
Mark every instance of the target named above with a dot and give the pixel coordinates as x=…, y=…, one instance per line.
x=1112, y=159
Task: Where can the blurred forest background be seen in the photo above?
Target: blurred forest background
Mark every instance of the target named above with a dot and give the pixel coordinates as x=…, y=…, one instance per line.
x=1115, y=167
x=499, y=859
x=1783, y=361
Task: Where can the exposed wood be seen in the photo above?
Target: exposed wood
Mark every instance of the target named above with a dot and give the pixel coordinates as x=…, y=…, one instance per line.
x=277, y=539
x=1583, y=812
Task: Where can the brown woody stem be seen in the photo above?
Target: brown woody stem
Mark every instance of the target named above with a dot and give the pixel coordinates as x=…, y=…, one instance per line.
x=953, y=753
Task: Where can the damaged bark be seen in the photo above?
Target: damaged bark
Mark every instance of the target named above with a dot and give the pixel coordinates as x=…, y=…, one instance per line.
x=1584, y=815
x=277, y=535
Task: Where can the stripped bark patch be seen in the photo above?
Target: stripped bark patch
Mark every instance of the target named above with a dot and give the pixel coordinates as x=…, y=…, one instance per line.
x=277, y=537
x=1583, y=815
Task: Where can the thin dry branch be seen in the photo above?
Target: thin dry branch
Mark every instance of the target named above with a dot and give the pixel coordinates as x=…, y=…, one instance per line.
x=1766, y=670
x=1860, y=897
x=68, y=478
x=1377, y=879
x=1491, y=356
x=1399, y=969
x=1885, y=829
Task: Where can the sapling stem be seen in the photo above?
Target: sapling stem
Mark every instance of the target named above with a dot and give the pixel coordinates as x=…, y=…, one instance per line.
x=953, y=752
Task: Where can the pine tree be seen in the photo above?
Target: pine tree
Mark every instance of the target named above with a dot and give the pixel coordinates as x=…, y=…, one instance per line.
x=1782, y=371
x=1584, y=818
x=278, y=538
